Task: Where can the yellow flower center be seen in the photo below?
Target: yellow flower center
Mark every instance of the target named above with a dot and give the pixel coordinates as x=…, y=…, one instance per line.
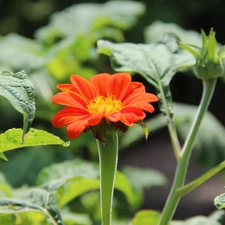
x=110, y=104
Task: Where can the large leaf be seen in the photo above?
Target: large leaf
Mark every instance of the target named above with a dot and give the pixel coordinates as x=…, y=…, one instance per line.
x=20, y=53
x=75, y=177
x=11, y=139
x=35, y=200
x=18, y=89
x=219, y=201
x=96, y=18
x=70, y=179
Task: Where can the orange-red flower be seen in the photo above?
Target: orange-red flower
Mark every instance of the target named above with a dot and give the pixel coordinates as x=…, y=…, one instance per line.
x=105, y=99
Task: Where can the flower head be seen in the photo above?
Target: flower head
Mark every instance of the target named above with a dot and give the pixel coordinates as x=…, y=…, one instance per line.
x=104, y=100
x=209, y=61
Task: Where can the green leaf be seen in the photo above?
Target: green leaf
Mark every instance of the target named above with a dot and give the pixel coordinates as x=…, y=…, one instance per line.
x=70, y=178
x=11, y=139
x=158, y=29
x=145, y=217
x=154, y=61
x=97, y=17
x=75, y=177
x=18, y=89
x=122, y=184
x=158, y=32
x=72, y=188
x=70, y=168
x=21, y=53
x=219, y=201
x=35, y=200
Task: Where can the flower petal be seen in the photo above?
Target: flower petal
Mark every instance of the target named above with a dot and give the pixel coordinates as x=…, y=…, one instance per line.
x=99, y=82
x=95, y=118
x=134, y=87
x=115, y=117
x=130, y=115
x=140, y=97
x=76, y=128
x=69, y=99
x=65, y=87
x=83, y=87
x=69, y=115
x=117, y=85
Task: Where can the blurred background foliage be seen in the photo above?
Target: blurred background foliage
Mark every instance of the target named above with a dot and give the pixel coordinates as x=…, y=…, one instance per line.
x=52, y=39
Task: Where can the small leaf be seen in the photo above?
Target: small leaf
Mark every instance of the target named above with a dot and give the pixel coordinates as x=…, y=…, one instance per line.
x=146, y=217
x=18, y=89
x=11, y=139
x=219, y=201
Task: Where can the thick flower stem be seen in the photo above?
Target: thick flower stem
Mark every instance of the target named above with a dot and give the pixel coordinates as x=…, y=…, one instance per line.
x=108, y=155
x=181, y=170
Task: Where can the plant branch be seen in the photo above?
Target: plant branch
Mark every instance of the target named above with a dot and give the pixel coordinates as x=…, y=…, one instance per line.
x=171, y=126
x=194, y=184
x=181, y=170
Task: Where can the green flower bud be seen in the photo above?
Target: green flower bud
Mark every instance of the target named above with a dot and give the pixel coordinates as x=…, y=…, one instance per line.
x=209, y=62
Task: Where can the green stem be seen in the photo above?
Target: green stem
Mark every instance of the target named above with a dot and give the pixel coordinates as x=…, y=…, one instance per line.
x=170, y=125
x=108, y=155
x=181, y=170
x=192, y=185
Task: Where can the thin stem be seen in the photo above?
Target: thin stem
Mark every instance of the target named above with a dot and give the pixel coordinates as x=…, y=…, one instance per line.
x=197, y=182
x=171, y=127
x=108, y=155
x=181, y=170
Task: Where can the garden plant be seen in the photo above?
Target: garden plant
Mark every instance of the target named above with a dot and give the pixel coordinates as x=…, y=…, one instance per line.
x=73, y=102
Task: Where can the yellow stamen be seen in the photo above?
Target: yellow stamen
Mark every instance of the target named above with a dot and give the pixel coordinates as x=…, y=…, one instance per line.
x=100, y=103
